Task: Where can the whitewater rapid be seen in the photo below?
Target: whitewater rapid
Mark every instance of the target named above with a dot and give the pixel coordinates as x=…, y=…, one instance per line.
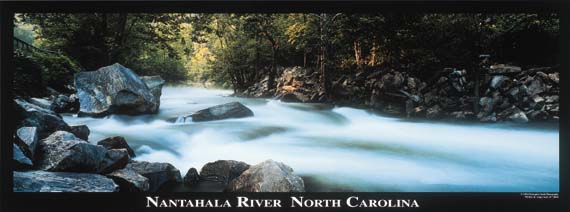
x=342, y=148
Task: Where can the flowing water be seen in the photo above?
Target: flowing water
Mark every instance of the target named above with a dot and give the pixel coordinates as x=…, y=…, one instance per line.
x=342, y=148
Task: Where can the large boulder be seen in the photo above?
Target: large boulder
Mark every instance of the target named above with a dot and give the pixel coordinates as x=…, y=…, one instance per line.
x=158, y=174
x=113, y=89
x=42, y=181
x=154, y=83
x=223, y=171
x=116, y=142
x=64, y=152
x=224, y=111
x=45, y=121
x=268, y=176
x=129, y=180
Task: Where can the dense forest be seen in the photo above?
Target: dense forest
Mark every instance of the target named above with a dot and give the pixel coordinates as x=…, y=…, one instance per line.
x=355, y=93
x=249, y=52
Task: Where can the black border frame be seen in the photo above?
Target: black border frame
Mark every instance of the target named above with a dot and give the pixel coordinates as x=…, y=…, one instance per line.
x=431, y=201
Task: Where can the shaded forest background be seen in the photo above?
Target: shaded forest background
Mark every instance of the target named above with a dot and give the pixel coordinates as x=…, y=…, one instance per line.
x=238, y=50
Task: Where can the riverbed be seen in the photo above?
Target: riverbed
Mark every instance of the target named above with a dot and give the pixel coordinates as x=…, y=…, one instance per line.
x=342, y=148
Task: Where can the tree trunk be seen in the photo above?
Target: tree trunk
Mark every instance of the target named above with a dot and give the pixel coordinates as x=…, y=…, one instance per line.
x=273, y=72
x=373, y=51
x=305, y=59
x=323, y=55
x=357, y=53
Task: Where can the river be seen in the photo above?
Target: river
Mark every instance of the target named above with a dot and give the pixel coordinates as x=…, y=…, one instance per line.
x=342, y=148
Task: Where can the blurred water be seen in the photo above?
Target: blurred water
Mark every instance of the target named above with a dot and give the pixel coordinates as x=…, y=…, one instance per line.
x=341, y=148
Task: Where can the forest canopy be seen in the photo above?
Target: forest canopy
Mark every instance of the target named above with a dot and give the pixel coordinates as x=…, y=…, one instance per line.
x=238, y=50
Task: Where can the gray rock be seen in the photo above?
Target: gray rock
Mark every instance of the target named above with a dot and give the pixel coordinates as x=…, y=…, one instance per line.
x=461, y=115
x=117, y=142
x=552, y=99
x=554, y=77
x=64, y=152
x=43, y=103
x=224, y=111
x=458, y=81
x=114, y=159
x=268, y=176
x=113, y=89
x=487, y=104
x=42, y=181
x=80, y=131
x=27, y=141
x=538, y=115
x=223, y=171
x=158, y=174
x=504, y=69
x=497, y=81
x=535, y=87
x=20, y=161
x=483, y=117
x=45, y=121
x=192, y=177
x=294, y=97
x=433, y=112
x=518, y=117
x=66, y=104
x=154, y=83
x=129, y=180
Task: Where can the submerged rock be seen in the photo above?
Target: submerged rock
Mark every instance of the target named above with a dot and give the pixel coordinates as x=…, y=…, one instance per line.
x=113, y=89
x=42, y=181
x=129, y=180
x=117, y=142
x=223, y=171
x=268, y=176
x=158, y=174
x=224, y=111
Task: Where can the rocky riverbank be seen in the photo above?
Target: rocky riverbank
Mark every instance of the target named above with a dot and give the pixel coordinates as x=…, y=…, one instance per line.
x=506, y=93
x=52, y=156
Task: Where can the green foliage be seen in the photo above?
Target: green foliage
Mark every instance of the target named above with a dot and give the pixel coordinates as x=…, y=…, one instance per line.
x=242, y=49
x=57, y=70
x=28, y=78
x=101, y=39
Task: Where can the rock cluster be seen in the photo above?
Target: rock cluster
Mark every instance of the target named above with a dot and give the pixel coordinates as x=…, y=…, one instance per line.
x=506, y=93
x=236, y=176
x=295, y=84
x=51, y=156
